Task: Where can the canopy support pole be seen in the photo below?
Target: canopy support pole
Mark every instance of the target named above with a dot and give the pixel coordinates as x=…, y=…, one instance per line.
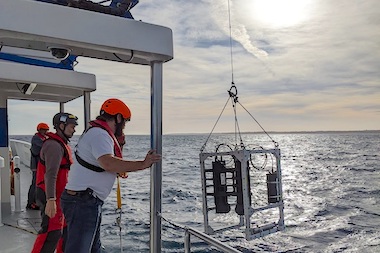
x=61, y=107
x=87, y=108
x=156, y=170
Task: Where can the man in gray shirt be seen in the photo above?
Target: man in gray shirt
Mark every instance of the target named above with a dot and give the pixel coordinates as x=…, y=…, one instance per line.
x=37, y=141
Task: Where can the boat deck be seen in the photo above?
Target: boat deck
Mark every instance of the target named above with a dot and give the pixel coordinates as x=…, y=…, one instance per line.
x=20, y=228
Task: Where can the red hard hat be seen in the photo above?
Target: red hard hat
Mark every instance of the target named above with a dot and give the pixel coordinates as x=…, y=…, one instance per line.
x=42, y=126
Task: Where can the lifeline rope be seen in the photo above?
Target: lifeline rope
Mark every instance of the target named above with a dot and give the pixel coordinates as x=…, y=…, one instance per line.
x=176, y=225
x=118, y=210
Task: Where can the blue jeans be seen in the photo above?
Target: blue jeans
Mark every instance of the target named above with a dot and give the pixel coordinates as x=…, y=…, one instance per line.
x=83, y=215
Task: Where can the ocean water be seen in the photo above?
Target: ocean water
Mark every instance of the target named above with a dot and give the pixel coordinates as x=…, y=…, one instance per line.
x=331, y=190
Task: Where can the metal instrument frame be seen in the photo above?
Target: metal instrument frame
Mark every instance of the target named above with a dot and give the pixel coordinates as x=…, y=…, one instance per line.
x=246, y=219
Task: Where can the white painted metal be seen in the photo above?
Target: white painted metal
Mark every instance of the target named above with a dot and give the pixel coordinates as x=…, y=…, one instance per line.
x=55, y=85
x=210, y=240
x=22, y=150
x=2, y=165
x=17, y=186
x=34, y=54
x=86, y=33
x=20, y=228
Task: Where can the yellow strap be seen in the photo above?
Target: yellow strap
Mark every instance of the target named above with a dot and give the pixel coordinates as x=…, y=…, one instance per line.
x=118, y=194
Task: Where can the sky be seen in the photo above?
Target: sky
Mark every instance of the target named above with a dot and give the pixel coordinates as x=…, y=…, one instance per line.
x=298, y=65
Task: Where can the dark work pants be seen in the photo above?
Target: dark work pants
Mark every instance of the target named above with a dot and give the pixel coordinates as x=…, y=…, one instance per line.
x=32, y=189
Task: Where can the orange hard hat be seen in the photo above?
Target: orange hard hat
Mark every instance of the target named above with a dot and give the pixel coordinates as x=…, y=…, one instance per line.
x=113, y=106
x=42, y=126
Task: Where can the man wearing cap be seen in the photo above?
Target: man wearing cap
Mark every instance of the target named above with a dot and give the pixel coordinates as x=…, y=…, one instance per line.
x=37, y=141
x=52, y=171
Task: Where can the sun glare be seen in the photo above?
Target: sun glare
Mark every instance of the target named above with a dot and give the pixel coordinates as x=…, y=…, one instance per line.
x=281, y=13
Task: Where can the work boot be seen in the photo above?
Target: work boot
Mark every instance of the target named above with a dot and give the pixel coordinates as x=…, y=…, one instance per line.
x=32, y=206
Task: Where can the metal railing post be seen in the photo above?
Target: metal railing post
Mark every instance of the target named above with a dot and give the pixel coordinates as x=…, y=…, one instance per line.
x=187, y=242
x=17, y=185
x=212, y=241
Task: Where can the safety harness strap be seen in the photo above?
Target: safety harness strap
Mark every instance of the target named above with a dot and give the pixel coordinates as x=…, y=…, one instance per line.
x=88, y=165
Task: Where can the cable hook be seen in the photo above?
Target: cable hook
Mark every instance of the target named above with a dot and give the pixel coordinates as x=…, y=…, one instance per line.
x=233, y=94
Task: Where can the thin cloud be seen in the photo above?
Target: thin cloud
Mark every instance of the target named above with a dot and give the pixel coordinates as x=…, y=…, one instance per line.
x=319, y=74
x=222, y=14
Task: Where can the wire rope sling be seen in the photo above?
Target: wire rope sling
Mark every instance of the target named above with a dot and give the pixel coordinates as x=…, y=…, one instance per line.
x=228, y=172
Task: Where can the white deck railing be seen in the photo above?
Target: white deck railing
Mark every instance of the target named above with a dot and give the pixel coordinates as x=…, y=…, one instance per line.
x=22, y=150
x=202, y=236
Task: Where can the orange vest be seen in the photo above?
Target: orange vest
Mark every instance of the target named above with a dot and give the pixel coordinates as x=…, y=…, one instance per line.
x=41, y=136
x=64, y=167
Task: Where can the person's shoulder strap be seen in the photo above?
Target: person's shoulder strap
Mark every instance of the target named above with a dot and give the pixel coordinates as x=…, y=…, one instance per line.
x=88, y=165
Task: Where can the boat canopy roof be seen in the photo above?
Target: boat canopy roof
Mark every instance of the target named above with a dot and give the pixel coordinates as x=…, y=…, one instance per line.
x=40, y=26
x=55, y=85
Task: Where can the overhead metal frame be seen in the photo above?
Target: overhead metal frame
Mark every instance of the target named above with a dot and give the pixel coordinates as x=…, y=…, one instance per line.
x=53, y=85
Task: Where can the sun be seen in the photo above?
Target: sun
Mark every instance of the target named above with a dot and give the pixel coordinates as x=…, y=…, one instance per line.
x=281, y=13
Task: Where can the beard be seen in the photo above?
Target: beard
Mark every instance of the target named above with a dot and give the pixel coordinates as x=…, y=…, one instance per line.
x=119, y=129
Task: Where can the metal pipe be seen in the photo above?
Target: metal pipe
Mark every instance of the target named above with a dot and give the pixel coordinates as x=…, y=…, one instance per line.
x=279, y=174
x=2, y=165
x=204, y=195
x=17, y=184
x=212, y=241
x=187, y=243
x=156, y=170
x=87, y=108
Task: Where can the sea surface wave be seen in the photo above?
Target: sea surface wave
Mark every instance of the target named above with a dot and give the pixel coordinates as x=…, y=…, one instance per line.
x=330, y=184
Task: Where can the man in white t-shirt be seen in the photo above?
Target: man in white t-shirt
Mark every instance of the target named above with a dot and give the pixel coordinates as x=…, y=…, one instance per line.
x=91, y=178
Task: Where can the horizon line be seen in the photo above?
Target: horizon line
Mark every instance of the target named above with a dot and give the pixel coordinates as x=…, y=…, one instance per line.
x=248, y=132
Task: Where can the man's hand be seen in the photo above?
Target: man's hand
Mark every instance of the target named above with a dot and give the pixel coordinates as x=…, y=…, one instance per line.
x=51, y=208
x=151, y=158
